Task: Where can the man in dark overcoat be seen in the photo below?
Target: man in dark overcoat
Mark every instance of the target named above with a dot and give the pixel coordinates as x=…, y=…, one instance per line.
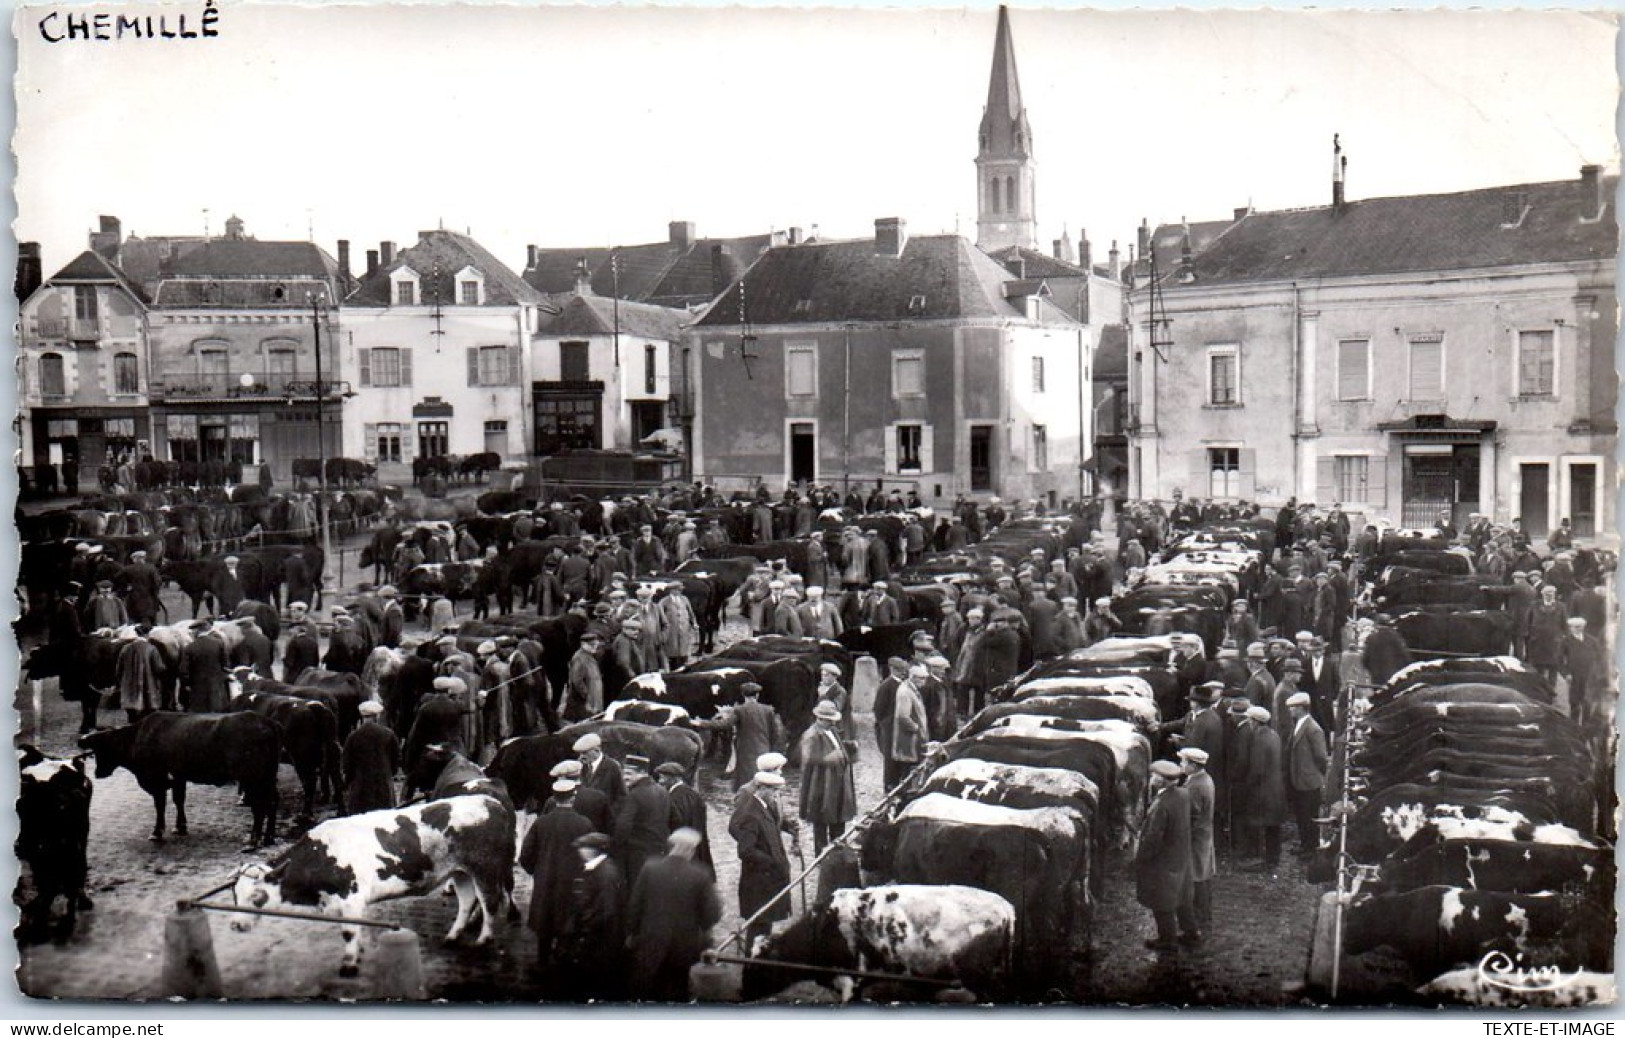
x=757, y=730
x=1162, y=863
x=369, y=760
x=592, y=942
x=764, y=868
x=669, y=918
x=688, y=811
x=203, y=675
x=643, y=821
x=549, y=855
x=828, y=797
x=141, y=583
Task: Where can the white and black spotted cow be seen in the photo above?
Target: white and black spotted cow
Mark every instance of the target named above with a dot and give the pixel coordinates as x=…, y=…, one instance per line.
x=345, y=864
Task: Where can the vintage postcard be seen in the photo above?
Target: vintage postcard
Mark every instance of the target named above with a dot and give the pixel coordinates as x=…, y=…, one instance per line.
x=550, y=504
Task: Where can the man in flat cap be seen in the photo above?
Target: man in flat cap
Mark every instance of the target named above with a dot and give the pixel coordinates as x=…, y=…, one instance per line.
x=757, y=730
x=550, y=856
x=369, y=760
x=302, y=652
x=599, y=770
x=688, y=810
x=203, y=666
x=669, y=919
x=253, y=649
x=587, y=802
x=1306, y=758
x=106, y=610
x=141, y=583
x=1204, y=860
x=1162, y=862
x=1260, y=685
x=346, y=652
x=1585, y=665
x=828, y=797
x=439, y=720
x=643, y=820
x=764, y=868
x=1264, y=800
x=584, y=688
x=590, y=950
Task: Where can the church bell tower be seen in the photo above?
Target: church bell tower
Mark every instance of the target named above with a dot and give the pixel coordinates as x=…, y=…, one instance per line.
x=1006, y=210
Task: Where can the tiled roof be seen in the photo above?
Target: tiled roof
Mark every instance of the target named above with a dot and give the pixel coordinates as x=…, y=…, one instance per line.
x=937, y=277
x=255, y=293
x=663, y=273
x=1021, y=261
x=437, y=258
x=1111, y=353
x=248, y=257
x=1416, y=233
x=595, y=315
x=90, y=266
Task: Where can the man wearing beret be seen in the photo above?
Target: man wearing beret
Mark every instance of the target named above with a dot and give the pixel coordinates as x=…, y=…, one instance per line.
x=550, y=856
x=1204, y=861
x=1162, y=862
x=1306, y=759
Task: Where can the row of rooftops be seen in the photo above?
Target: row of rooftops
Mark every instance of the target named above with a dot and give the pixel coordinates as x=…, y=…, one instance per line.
x=789, y=278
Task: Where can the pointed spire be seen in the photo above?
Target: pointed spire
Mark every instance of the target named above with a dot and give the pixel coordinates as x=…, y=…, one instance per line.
x=1004, y=121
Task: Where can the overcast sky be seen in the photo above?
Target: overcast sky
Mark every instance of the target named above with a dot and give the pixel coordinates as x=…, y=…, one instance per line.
x=568, y=126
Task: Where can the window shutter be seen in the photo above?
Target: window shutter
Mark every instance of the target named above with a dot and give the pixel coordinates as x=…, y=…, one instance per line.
x=1353, y=369
x=1249, y=473
x=928, y=461
x=473, y=365
x=371, y=446
x=891, y=449
x=109, y=376
x=1427, y=370
x=1376, y=481
x=513, y=365
x=1325, y=481
x=364, y=366
x=405, y=356
x=1201, y=479
x=408, y=443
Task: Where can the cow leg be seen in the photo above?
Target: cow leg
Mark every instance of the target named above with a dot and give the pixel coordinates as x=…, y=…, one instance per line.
x=466, y=901
x=180, y=807
x=493, y=898
x=158, y=800
x=351, y=906
x=309, y=778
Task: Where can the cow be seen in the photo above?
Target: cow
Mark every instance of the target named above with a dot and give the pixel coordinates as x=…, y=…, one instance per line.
x=345, y=864
x=726, y=576
x=657, y=744
x=166, y=750
x=1551, y=858
x=1436, y=928
x=310, y=741
x=1131, y=761
x=1137, y=710
x=430, y=580
x=1037, y=859
x=523, y=763
x=956, y=933
x=789, y=686
x=885, y=641
x=641, y=711
x=53, y=840
x=346, y=690
x=1471, y=633
x=699, y=695
x=1543, y=988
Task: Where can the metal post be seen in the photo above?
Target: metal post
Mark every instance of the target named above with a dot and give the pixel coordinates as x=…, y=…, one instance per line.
x=321, y=434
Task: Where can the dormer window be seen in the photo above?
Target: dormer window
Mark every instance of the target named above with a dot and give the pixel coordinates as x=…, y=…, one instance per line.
x=916, y=304
x=404, y=282
x=803, y=306
x=470, y=287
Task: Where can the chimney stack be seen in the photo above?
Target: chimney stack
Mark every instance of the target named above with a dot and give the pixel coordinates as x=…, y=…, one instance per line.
x=372, y=262
x=1114, y=261
x=719, y=270
x=344, y=265
x=1187, y=264
x=1056, y=250
x=583, y=278
x=891, y=236
x=796, y=236
x=108, y=238
x=1592, y=202
x=1144, y=239
x=386, y=253
x=1340, y=166
x=530, y=257
x=681, y=233
x=1086, y=257
x=30, y=269
x=777, y=238
x=1242, y=212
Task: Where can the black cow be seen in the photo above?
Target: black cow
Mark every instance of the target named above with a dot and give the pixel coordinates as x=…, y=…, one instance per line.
x=727, y=576
x=1470, y=633
x=345, y=690
x=885, y=641
x=310, y=735
x=53, y=839
x=452, y=580
x=1520, y=866
x=789, y=686
x=1436, y=928
x=166, y=750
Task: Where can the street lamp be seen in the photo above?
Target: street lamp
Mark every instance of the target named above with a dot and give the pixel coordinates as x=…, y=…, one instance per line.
x=318, y=302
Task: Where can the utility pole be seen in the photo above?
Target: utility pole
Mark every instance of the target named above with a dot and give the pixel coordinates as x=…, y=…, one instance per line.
x=316, y=301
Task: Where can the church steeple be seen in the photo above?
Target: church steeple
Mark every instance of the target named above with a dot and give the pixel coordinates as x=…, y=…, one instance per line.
x=1004, y=157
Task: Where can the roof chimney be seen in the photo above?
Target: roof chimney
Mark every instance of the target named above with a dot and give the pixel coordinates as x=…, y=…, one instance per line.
x=1055, y=248
x=344, y=265
x=583, y=278
x=777, y=238
x=1114, y=262
x=1242, y=212
x=30, y=269
x=1340, y=166
x=386, y=253
x=1086, y=250
x=796, y=237
x=681, y=233
x=1187, y=264
x=1144, y=239
x=891, y=236
x=720, y=278
x=107, y=239
x=372, y=262
x=1592, y=199
x=530, y=257
x=234, y=228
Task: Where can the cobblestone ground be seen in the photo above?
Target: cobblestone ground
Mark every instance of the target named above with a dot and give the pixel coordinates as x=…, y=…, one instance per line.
x=1255, y=954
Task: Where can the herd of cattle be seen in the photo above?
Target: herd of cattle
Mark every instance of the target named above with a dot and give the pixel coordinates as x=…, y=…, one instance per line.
x=1475, y=800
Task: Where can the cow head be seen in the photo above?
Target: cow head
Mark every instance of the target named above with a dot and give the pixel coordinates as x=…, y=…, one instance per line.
x=111, y=747
x=257, y=885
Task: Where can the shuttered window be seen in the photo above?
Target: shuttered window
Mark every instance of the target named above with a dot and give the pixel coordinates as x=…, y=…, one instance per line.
x=52, y=377
x=573, y=362
x=1038, y=374
x=1354, y=369
x=1351, y=475
x=909, y=449
x=126, y=374
x=1224, y=472
x=1040, y=448
x=801, y=370
x=908, y=373
x=493, y=366
x=1223, y=376
x=406, y=293
x=1537, y=364
x=1427, y=368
